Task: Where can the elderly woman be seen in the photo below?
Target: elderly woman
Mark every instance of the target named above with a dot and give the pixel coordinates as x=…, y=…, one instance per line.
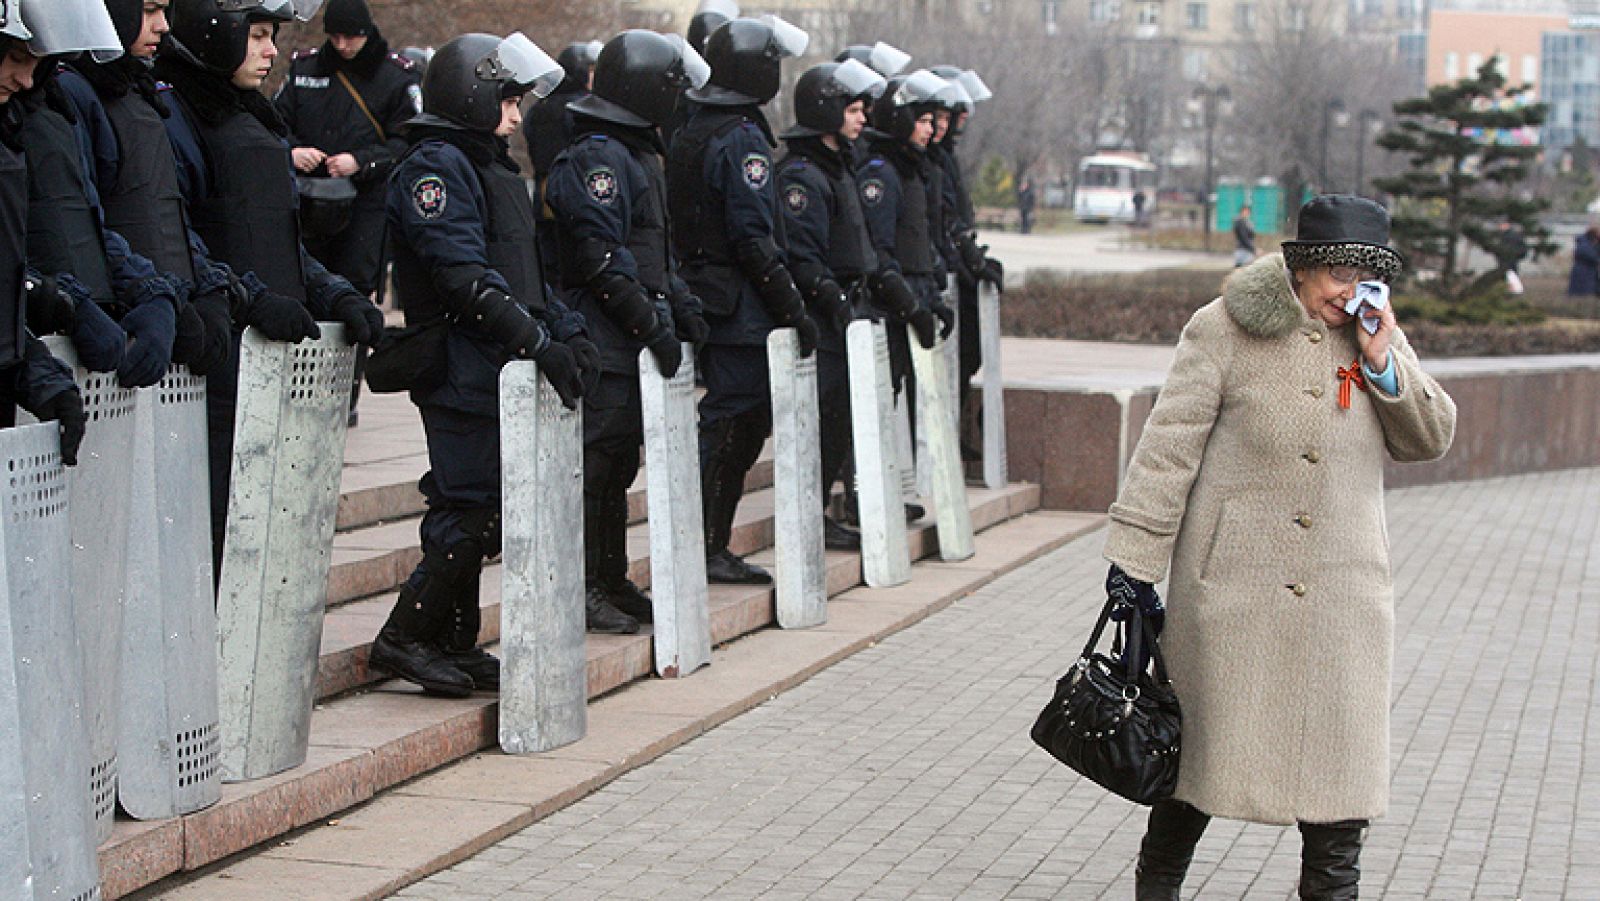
x=1260, y=478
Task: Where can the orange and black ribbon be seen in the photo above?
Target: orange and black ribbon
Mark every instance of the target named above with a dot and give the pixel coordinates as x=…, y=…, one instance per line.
x=1348, y=376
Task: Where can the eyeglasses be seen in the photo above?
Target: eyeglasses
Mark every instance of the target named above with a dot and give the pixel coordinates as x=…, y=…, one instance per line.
x=1349, y=275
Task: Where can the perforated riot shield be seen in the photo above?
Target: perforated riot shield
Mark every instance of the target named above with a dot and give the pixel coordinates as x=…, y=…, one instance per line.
x=682, y=629
x=994, y=388
x=167, y=735
x=49, y=665
x=99, y=493
x=544, y=667
x=801, y=580
x=936, y=425
x=288, y=450
x=885, y=556
x=16, y=871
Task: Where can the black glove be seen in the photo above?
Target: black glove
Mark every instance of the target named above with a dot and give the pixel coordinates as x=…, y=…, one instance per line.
x=51, y=311
x=152, y=326
x=993, y=273
x=624, y=300
x=830, y=301
x=280, y=318
x=926, y=328
x=363, y=322
x=807, y=329
x=588, y=357
x=101, y=343
x=560, y=369
x=1130, y=593
x=892, y=294
x=66, y=409
x=947, y=318
x=691, y=327
x=668, y=352
x=971, y=252
x=213, y=311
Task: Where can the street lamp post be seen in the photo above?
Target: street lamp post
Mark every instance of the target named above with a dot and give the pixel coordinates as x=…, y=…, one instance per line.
x=1367, y=120
x=1212, y=101
x=1333, y=113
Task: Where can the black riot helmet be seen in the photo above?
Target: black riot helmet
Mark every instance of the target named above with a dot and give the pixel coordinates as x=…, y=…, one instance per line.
x=884, y=59
x=973, y=90
x=577, y=60
x=905, y=99
x=746, y=57
x=711, y=15
x=823, y=92
x=214, y=35
x=639, y=78
x=469, y=76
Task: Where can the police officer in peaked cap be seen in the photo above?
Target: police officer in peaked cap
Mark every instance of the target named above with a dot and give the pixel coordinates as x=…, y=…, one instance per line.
x=727, y=232
x=30, y=377
x=236, y=177
x=609, y=195
x=462, y=233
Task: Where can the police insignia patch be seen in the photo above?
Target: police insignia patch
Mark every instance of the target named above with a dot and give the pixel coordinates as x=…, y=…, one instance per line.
x=429, y=197
x=795, y=199
x=871, y=191
x=757, y=168
x=602, y=185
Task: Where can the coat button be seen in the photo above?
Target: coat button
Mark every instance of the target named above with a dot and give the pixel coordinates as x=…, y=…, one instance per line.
x=1299, y=589
x=1315, y=391
x=1313, y=457
x=1303, y=521
x=1315, y=337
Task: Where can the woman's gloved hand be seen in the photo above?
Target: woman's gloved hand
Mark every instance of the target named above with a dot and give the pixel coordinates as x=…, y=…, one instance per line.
x=1130, y=593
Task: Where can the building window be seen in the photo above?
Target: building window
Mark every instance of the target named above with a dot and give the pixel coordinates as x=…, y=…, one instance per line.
x=1051, y=11
x=1297, y=17
x=1530, y=68
x=1452, y=66
x=1474, y=63
x=1194, y=63
x=1244, y=18
x=1372, y=9
x=1149, y=14
x=1405, y=9
x=1196, y=16
x=1105, y=10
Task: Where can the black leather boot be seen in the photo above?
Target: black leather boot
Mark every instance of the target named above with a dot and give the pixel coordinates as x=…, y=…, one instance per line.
x=723, y=568
x=1330, y=860
x=627, y=597
x=837, y=537
x=600, y=616
x=401, y=649
x=1174, y=829
x=460, y=643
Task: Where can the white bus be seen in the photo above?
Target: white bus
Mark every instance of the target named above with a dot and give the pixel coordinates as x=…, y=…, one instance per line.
x=1107, y=183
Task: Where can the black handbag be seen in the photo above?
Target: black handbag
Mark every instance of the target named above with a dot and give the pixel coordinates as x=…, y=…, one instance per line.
x=1112, y=721
x=413, y=358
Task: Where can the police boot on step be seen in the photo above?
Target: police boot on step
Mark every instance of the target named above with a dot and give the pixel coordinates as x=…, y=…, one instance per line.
x=825, y=236
x=462, y=230
x=726, y=231
x=609, y=196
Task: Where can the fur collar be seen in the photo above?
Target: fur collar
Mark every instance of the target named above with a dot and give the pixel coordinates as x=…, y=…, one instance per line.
x=1260, y=300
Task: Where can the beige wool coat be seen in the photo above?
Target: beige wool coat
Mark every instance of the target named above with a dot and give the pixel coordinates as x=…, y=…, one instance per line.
x=1267, y=499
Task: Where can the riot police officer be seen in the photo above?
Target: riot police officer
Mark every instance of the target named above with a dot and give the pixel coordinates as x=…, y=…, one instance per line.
x=829, y=250
x=30, y=377
x=235, y=173
x=609, y=196
x=726, y=231
x=461, y=228
x=885, y=59
x=708, y=17
x=547, y=126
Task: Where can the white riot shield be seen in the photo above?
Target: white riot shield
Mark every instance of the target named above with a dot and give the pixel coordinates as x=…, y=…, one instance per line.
x=288, y=450
x=994, y=388
x=99, y=492
x=934, y=422
x=544, y=665
x=682, y=628
x=801, y=580
x=167, y=735
x=904, y=447
x=885, y=556
x=952, y=355
x=16, y=872
x=49, y=665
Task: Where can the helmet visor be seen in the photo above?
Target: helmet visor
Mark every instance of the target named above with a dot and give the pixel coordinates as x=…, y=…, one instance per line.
x=305, y=9
x=589, y=52
x=787, y=39
x=974, y=86
x=71, y=26
x=923, y=86
x=957, y=97
x=888, y=60
x=280, y=10
x=11, y=24
x=696, y=72
x=854, y=79
x=724, y=8
x=519, y=62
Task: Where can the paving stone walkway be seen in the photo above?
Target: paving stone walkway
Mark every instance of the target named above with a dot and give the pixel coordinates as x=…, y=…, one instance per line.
x=906, y=772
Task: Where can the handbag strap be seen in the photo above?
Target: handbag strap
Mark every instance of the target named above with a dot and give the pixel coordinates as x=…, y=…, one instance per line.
x=1140, y=630
x=356, y=95
x=1099, y=629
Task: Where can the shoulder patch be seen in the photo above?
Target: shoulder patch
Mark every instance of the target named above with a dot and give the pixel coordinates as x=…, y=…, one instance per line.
x=757, y=169
x=310, y=81
x=401, y=61
x=872, y=192
x=795, y=199
x=304, y=53
x=601, y=183
x=428, y=196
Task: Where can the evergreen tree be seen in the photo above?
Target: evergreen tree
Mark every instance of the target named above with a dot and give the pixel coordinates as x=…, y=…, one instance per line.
x=1463, y=178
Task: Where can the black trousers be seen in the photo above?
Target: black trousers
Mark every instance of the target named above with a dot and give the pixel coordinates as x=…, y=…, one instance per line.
x=613, y=429
x=735, y=421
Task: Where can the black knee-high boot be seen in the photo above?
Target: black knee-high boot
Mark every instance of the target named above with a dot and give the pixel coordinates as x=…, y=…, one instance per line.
x=1169, y=839
x=1330, y=860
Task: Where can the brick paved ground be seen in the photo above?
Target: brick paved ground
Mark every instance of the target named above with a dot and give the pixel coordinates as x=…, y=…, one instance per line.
x=906, y=771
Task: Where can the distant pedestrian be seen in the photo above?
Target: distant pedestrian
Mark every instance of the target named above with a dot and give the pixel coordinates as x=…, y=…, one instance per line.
x=1026, y=198
x=1510, y=249
x=1585, y=278
x=1139, y=200
x=1259, y=481
x=1244, y=238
